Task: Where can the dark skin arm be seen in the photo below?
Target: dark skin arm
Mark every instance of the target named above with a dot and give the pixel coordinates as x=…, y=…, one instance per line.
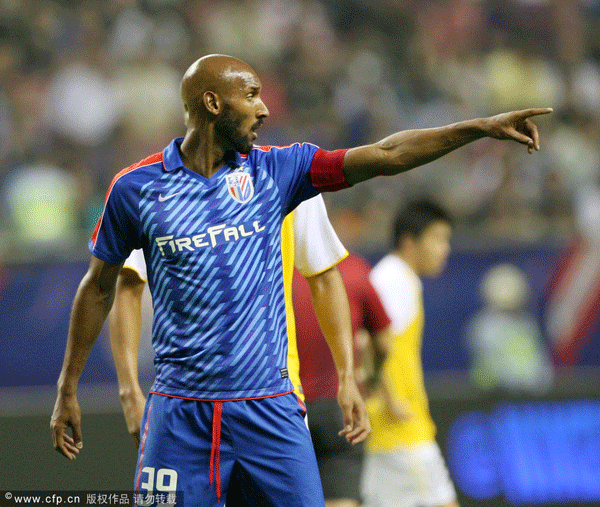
x=91, y=305
x=405, y=150
x=125, y=330
x=330, y=302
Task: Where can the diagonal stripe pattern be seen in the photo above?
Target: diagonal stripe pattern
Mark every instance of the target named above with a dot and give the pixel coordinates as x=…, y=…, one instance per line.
x=215, y=304
x=213, y=253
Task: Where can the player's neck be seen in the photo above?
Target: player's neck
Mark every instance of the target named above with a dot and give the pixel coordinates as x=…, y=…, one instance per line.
x=200, y=153
x=409, y=255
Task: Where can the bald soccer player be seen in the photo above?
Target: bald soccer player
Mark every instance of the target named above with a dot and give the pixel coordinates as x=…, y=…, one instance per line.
x=207, y=212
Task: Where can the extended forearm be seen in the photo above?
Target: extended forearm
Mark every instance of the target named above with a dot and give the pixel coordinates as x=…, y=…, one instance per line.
x=333, y=313
x=90, y=309
x=413, y=148
x=125, y=330
x=408, y=149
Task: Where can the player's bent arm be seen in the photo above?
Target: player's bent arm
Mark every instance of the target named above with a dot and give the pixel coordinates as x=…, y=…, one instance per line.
x=330, y=302
x=381, y=341
x=91, y=305
x=411, y=148
x=125, y=321
x=396, y=406
x=380, y=347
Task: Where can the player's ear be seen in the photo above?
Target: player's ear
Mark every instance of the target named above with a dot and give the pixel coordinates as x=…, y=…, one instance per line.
x=212, y=102
x=405, y=240
x=186, y=115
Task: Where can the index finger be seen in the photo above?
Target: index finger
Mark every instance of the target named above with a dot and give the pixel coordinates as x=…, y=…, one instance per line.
x=526, y=113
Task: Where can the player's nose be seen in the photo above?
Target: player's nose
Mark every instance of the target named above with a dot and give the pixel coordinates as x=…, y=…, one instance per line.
x=262, y=111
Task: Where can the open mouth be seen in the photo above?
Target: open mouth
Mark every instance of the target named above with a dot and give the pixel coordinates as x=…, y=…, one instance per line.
x=254, y=128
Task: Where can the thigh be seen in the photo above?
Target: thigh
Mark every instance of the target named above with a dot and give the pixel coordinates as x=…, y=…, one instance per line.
x=175, y=452
x=275, y=463
x=431, y=475
x=388, y=481
x=340, y=463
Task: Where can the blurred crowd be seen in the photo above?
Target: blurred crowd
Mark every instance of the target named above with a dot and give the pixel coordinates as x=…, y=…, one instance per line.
x=88, y=87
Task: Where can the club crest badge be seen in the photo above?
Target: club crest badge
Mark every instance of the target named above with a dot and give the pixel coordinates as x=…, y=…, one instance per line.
x=240, y=187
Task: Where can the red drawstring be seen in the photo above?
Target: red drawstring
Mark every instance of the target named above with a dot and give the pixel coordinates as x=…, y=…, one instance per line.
x=215, y=450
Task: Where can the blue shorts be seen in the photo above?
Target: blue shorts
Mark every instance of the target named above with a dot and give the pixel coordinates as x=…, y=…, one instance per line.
x=260, y=449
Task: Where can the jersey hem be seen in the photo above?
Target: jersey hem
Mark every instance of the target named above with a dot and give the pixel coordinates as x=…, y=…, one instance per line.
x=136, y=271
x=309, y=275
x=103, y=256
x=220, y=399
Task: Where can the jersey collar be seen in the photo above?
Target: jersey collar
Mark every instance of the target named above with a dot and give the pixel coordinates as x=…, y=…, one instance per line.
x=172, y=156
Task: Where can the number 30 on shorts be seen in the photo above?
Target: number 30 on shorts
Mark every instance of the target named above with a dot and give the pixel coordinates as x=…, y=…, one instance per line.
x=166, y=480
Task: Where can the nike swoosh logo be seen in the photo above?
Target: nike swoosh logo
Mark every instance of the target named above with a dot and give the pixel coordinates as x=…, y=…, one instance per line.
x=167, y=197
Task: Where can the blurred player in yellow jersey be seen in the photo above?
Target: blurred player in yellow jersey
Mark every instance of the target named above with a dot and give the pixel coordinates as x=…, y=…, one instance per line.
x=309, y=243
x=404, y=465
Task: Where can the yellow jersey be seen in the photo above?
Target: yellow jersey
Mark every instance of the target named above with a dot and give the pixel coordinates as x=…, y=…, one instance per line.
x=401, y=293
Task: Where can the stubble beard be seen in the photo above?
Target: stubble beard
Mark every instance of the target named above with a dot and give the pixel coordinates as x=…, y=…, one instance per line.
x=229, y=128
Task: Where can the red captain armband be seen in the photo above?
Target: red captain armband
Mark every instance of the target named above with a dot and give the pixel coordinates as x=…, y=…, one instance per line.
x=326, y=170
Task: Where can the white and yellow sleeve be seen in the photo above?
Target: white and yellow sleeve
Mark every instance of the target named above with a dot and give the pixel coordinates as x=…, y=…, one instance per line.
x=316, y=245
x=399, y=290
x=137, y=263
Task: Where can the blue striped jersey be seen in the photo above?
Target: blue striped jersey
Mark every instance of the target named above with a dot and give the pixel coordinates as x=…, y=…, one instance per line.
x=213, y=251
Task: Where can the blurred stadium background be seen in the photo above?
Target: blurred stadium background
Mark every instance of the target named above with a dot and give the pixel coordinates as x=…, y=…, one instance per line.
x=88, y=87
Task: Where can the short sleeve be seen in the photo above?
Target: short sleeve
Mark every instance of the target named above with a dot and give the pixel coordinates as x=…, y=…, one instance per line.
x=316, y=245
x=137, y=263
x=398, y=289
x=116, y=233
x=289, y=167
